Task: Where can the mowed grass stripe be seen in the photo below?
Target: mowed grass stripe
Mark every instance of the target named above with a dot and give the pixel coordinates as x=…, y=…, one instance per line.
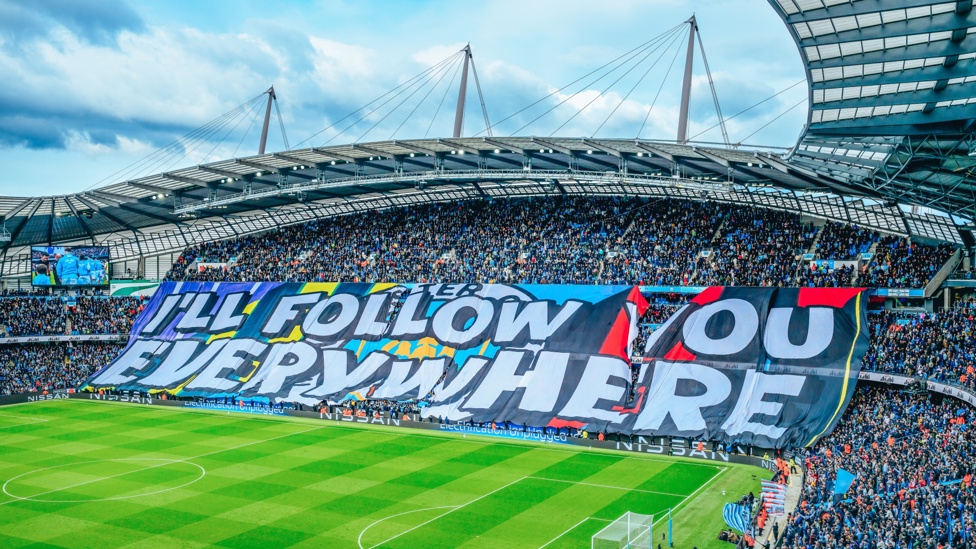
x=321, y=488
x=90, y=433
x=455, y=481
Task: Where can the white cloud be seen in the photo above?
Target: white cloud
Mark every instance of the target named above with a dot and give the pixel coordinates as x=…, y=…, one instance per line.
x=146, y=87
x=336, y=63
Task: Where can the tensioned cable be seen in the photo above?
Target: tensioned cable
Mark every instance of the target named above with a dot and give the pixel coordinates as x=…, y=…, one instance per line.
x=659, y=89
x=191, y=144
x=381, y=105
x=219, y=122
x=281, y=123
x=761, y=128
x=408, y=82
x=608, y=88
x=204, y=139
x=134, y=165
x=711, y=85
x=246, y=132
x=634, y=87
x=179, y=153
x=443, y=96
x=426, y=95
x=585, y=87
x=750, y=108
x=592, y=82
x=594, y=71
x=230, y=131
x=481, y=97
x=445, y=69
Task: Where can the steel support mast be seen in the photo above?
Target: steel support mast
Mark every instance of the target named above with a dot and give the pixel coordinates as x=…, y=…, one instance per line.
x=267, y=120
x=686, y=83
x=462, y=93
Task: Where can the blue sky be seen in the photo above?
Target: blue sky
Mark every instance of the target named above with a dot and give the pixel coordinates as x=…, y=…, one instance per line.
x=92, y=87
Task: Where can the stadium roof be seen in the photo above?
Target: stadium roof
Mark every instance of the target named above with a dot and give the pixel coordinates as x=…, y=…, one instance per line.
x=168, y=211
x=892, y=97
x=890, y=128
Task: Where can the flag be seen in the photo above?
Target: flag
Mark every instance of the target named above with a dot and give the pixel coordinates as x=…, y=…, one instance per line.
x=736, y=516
x=844, y=481
x=774, y=497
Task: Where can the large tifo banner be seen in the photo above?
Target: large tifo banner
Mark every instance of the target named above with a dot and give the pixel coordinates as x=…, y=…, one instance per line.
x=758, y=366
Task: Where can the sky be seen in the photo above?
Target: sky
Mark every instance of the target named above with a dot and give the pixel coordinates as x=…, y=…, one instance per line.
x=93, y=88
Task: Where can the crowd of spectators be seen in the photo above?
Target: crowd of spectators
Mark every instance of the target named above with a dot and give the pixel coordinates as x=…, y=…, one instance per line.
x=102, y=315
x=899, y=263
x=569, y=240
x=913, y=461
x=816, y=275
x=757, y=248
x=59, y=315
x=38, y=367
x=840, y=241
x=663, y=243
x=31, y=316
x=939, y=346
x=505, y=241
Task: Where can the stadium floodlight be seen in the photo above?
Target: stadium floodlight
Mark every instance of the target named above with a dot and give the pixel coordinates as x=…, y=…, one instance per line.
x=630, y=531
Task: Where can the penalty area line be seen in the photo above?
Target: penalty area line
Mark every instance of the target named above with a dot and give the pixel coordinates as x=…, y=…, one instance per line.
x=359, y=540
x=426, y=522
x=566, y=531
x=609, y=487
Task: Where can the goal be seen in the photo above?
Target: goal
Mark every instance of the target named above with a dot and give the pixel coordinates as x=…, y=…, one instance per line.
x=630, y=531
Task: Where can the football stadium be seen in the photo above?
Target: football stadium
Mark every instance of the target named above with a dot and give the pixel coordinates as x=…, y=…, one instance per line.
x=491, y=339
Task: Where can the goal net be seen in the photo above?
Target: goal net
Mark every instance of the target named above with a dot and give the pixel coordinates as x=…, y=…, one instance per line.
x=630, y=531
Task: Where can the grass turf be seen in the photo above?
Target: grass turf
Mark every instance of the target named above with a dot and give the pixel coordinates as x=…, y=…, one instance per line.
x=94, y=474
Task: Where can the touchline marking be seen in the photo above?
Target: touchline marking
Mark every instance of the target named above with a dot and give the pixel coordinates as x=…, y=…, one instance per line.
x=359, y=540
x=610, y=487
x=33, y=420
x=24, y=417
x=481, y=497
x=691, y=495
x=186, y=460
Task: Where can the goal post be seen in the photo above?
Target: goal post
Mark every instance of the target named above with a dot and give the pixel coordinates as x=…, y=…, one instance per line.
x=630, y=531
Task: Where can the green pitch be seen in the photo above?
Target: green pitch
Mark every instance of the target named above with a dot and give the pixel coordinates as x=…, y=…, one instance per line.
x=92, y=474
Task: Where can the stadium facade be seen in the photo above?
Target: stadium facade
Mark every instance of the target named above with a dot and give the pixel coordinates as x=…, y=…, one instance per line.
x=889, y=145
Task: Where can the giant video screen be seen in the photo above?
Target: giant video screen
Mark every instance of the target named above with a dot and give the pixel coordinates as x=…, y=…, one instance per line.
x=69, y=266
